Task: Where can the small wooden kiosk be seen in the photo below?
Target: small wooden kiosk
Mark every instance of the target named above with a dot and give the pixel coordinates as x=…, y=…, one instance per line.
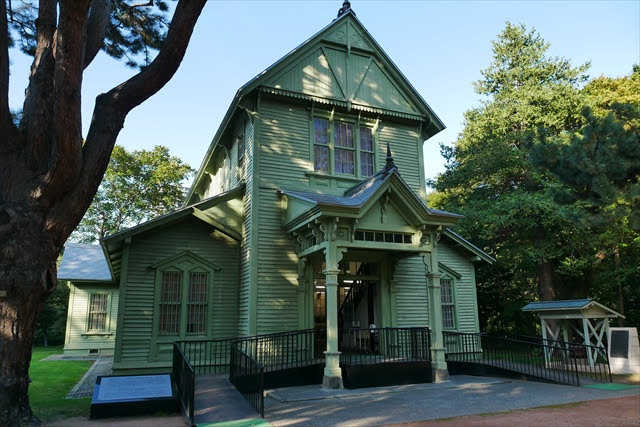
x=585, y=318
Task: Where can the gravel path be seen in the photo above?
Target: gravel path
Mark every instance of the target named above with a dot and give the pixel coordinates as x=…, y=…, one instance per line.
x=85, y=386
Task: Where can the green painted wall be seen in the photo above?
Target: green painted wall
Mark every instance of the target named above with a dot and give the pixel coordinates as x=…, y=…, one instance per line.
x=465, y=299
x=147, y=249
x=79, y=341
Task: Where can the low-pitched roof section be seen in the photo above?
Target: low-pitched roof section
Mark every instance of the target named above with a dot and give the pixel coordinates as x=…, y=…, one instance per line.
x=84, y=263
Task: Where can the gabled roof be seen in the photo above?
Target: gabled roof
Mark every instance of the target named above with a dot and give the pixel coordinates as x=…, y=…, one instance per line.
x=571, y=305
x=434, y=125
x=84, y=263
x=113, y=244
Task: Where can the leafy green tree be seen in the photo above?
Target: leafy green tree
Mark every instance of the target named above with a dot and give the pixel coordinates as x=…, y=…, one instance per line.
x=52, y=321
x=49, y=173
x=491, y=180
x=599, y=167
x=137, y=186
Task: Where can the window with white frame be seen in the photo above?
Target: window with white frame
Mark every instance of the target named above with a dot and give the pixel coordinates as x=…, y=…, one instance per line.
x=98, y=312
x=343, y=148
x=448, y=303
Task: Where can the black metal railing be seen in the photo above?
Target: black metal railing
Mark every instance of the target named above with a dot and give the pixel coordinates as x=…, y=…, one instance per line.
x=592, y=361
x=385, y=345
x=247, y=375
x=542, y=361
x=281, y=351
x=208, y=356
x=185, y=381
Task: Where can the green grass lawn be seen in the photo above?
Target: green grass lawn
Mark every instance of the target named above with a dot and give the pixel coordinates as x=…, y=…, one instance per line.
x=52, y=381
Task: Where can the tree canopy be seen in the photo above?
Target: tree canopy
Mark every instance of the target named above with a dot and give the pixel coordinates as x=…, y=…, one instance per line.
x=539, y=163
x=137, y=186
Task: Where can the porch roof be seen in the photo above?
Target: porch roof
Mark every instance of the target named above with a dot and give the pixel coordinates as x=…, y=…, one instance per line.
x=365, y=192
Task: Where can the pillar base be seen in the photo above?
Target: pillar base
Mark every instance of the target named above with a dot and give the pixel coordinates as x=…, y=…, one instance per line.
x=439, y=375
x=332, y=382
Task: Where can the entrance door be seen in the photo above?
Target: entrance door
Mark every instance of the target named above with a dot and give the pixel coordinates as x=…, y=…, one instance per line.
x=358, y=302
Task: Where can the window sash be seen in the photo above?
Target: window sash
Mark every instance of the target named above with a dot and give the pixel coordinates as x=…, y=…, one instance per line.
x=197, y=306
x=170, y=303
x=448, y=304
x=344, y=148
x=98, y=305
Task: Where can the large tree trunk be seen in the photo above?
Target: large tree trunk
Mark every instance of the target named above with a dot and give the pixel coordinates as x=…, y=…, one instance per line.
x=544, y=277
x=27, y=275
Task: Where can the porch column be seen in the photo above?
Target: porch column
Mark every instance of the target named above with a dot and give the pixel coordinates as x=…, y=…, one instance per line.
x=438, y=363
x=332, y=372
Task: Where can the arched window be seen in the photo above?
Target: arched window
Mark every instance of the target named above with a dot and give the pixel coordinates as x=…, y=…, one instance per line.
x=184, y=287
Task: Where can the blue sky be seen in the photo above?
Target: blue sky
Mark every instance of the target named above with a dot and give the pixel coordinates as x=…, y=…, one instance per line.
x=440, y=46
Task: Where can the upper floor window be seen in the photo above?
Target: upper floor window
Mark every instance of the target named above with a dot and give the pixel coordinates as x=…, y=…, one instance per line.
x=343, y=148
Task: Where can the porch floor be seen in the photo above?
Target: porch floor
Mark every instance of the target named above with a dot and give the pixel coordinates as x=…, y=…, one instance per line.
x=217, y=400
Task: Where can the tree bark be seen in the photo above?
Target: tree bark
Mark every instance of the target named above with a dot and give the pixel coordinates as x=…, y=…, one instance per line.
x=544, y=276
x=619, y=285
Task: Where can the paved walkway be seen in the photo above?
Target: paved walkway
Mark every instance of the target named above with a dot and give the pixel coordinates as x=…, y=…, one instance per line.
x=463, y=395
x=217, y=400
x=620, y=411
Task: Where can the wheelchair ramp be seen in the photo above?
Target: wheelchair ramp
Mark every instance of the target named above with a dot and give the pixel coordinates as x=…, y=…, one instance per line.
x=526, y=358
x=218, y=401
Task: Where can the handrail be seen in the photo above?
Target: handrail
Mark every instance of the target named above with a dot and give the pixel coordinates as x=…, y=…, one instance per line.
x=546, y=362
x=185, y=380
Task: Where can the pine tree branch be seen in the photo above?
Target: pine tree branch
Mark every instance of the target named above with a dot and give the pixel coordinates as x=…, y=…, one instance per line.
x=38, y=104
x=67, y=117
x=97, y=24
x=110, y=112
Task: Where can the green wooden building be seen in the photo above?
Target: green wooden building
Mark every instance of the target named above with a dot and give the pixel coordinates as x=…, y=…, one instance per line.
x=308, y=211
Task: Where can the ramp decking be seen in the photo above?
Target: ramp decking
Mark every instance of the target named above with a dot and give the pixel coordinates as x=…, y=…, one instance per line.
x=217, y=401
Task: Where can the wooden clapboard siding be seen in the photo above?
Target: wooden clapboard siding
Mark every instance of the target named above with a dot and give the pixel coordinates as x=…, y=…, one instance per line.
x=464, y=287
x=247, y=236
x=78, y=341
x=151, y=248
x=411, y=293
x=277, y=270
x=284, y=145
x=403, y=141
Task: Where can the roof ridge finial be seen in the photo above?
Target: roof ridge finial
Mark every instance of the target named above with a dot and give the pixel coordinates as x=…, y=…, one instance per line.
x=346, y=7
x=390, y=165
